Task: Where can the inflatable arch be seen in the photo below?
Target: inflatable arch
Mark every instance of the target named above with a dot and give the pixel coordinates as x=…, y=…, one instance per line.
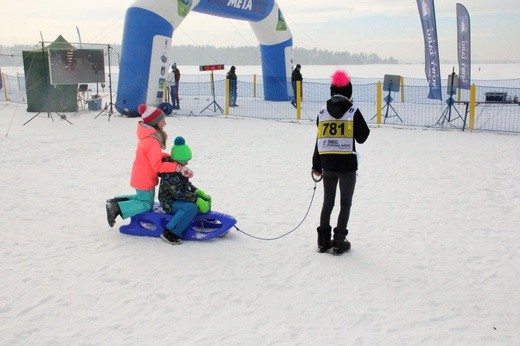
x=148, y=30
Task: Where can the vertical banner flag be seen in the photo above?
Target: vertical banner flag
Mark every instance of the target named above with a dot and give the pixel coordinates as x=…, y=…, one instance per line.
x=431, y=47
x=464, y=47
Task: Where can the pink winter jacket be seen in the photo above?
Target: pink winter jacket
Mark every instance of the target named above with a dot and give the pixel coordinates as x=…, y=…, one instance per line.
x=148, y=160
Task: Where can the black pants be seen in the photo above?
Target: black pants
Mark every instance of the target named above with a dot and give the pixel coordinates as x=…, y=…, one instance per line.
x=347, y=183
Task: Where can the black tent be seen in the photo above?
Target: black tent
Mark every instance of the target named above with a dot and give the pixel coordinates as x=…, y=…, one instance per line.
x=41, y=95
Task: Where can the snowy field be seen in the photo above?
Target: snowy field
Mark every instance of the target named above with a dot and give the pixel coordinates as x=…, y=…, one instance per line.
x=435, y=238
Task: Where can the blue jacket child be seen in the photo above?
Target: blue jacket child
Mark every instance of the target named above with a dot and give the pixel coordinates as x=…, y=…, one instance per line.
x=179, y=196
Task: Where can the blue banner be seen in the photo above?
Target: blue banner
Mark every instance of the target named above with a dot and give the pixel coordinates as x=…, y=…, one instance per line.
x=237, y=9
x=464, y=47
x=431, y=47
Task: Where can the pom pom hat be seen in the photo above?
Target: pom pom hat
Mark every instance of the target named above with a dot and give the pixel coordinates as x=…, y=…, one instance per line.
x=150, y=115
x=181, y=152
x=341, y=84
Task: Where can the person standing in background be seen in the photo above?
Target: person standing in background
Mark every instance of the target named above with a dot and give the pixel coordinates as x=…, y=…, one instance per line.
x=173, y=81
x=232, y=77
x=295, y=77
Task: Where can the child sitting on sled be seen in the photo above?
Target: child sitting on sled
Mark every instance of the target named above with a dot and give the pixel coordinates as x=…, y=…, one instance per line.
x=179, y=196
x=148, y=163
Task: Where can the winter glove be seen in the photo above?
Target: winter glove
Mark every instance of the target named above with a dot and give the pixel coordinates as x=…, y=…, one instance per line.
x=202, y=205
x=203, y=195
x=185, y=171
x=316, y=175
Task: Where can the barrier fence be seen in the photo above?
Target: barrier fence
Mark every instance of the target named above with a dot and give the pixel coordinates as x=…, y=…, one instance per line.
x=490, y=105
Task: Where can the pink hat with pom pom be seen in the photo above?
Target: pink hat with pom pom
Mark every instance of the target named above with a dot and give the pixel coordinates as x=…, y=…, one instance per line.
x=150, y=115
x=341, y=84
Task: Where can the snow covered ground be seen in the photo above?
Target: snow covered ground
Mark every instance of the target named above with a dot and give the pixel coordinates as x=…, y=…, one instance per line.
x=434, y=229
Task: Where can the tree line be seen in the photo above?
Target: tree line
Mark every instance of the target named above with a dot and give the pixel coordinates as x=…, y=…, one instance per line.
x=203, y=55
x=206, y=55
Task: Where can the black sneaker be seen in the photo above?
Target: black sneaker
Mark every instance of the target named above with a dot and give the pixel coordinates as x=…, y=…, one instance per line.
x=339, y=248
x=113, y=211
x=170, y=238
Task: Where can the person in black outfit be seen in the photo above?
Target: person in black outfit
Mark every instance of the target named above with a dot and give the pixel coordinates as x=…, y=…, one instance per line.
x=296, y=76
x=174, y=79
x=340, y=125
x=232, y=76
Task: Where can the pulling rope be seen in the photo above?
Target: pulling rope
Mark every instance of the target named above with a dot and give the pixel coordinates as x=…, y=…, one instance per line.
x=316, y=180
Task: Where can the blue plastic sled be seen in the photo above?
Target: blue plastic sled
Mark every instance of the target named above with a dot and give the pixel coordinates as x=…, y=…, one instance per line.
x=203, y=227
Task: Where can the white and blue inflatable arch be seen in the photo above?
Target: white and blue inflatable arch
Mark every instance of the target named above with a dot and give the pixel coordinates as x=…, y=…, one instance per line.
x=149, y=28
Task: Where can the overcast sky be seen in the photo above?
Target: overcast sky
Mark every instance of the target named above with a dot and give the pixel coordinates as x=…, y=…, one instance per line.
x=389, y=28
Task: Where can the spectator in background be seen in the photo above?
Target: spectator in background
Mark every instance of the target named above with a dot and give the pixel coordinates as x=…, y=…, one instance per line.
x=296, y=76
x=232, y=76
x=173, y=81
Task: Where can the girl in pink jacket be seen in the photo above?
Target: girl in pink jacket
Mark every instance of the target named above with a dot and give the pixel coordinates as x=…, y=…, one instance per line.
x=148, y=163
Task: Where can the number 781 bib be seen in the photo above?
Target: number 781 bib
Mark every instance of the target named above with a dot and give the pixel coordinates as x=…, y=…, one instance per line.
x=336, y=136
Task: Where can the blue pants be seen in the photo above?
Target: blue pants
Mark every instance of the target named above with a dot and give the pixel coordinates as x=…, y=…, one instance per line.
x=174, y=91
x=141, y=202
x=233, y=97
x=183, y=213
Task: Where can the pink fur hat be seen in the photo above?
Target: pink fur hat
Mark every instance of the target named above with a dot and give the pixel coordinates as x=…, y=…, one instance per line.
x=341, y=84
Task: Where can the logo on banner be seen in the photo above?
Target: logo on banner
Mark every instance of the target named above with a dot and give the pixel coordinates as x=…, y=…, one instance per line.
x=282, y=25
x=463, y=26
x=183, y=7
x=250, y=7
x=425, y=10
x=241, y=4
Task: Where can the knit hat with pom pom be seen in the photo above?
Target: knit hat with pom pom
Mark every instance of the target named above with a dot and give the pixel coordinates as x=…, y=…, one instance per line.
x=150, y=115
x=341, y=84
x=181, y=152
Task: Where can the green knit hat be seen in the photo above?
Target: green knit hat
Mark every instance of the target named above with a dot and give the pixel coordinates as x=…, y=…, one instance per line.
x=181, y=152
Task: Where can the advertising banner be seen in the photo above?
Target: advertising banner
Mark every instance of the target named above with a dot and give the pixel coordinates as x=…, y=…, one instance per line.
x=464, y=47
x=431, y=47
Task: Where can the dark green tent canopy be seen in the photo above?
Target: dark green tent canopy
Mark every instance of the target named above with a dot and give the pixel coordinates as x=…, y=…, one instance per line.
x=41, y=95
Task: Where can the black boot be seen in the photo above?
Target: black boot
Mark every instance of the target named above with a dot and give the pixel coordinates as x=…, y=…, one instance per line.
x=324, y=243
x=113, y=211
x=118, y=199
x=170, y=237
x=340, y=244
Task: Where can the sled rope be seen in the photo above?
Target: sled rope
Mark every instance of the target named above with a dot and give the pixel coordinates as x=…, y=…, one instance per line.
x=294, y=229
